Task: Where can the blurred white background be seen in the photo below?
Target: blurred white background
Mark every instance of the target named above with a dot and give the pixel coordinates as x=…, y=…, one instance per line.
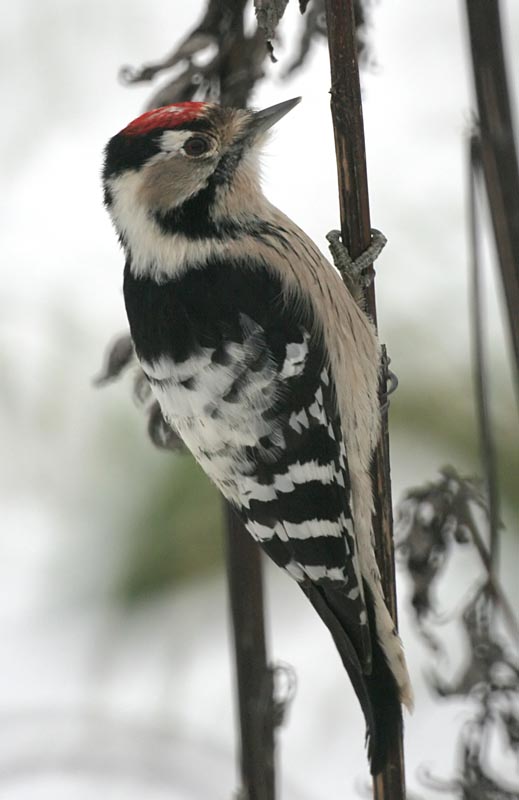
x=115, y=677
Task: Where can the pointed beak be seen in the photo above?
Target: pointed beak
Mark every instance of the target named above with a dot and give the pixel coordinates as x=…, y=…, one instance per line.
x=263, y=120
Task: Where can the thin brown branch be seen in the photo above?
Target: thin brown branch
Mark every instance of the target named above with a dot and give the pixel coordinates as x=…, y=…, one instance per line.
x=488, y=453
x=229, y=77
x=346, y=105
x=498, y=149
x=493, y=581
x=253, y=676
x=244, y=565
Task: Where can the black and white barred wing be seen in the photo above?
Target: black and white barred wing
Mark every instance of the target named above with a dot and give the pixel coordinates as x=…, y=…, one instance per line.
x=295, y=499
x=241, y=375
x=293, y=490
x=243, y=378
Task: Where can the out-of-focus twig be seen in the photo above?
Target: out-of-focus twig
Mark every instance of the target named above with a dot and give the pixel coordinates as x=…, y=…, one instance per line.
x=268, y=14
x=253, y=675
x=432, y=518
x=204, y=56
x=493, y=581
x=314, y=29
x=488, y=451
x=118, y=357
x=498, y=149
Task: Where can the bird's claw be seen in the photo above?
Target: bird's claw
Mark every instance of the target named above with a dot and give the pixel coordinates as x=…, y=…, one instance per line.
x=358, y=273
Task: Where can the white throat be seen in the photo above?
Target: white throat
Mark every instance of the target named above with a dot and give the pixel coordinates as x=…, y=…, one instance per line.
x=161, y=255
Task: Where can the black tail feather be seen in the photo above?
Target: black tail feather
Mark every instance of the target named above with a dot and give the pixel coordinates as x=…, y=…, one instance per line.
x=376, y=689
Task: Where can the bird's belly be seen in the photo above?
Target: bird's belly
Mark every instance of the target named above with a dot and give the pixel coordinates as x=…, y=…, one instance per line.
x=218, y=412
x=223, y=445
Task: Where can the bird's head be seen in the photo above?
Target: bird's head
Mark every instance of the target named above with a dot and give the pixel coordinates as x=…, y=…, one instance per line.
x=185, y=163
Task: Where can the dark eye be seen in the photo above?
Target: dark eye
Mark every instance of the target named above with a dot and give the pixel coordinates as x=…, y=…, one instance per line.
x=196, y=146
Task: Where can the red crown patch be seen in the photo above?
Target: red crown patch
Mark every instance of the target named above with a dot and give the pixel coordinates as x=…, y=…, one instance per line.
x=165, y=117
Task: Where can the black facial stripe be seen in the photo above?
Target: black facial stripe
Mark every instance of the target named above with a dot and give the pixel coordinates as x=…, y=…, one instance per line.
x=192, y=220
x=193, y=217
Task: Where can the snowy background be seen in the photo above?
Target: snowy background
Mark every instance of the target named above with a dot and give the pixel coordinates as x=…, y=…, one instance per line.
x=115, y=672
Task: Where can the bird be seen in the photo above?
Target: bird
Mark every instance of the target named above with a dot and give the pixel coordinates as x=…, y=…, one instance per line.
x=263, y=364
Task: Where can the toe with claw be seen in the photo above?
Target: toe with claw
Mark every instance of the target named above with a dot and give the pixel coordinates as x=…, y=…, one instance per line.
x=357, y=273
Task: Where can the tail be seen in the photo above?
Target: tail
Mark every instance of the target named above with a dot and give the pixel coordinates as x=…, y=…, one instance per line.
x=377, y=690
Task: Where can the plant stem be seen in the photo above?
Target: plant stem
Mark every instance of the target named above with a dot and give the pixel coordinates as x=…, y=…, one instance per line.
x=498, y=150
x=253, y=676
x=346, y=105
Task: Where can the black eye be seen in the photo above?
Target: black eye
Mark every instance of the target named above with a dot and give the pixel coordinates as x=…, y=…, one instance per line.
x=196, y=146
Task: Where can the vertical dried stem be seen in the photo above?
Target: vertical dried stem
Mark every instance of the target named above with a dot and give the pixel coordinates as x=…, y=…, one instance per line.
x=348, y=126
x=253, y=676
x=244, y=567
x=488, y=454
x=498, y=150
x=233, y=74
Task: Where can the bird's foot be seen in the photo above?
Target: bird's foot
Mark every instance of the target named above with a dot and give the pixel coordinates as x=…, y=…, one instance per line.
x=358, y=273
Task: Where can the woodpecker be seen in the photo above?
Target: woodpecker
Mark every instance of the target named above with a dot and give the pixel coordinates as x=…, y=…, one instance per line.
x=264, y=364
